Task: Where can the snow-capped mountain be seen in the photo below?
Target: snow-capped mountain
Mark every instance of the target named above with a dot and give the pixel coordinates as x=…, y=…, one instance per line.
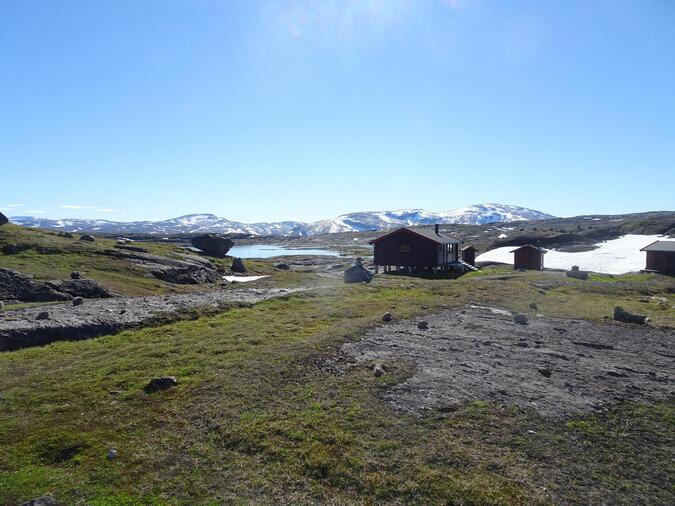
x=354, y=222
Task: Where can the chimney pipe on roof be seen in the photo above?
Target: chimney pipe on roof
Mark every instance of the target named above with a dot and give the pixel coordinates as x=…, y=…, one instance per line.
x=436, y=228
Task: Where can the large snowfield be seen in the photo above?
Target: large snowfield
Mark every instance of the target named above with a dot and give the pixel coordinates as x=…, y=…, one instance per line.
x=616, y=256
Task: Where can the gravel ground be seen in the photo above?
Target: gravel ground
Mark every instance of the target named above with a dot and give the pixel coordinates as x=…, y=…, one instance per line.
x=554, y=366
x=96, y=317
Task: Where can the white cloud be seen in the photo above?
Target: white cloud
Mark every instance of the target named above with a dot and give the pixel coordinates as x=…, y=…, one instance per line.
x=108, y=210
x=346, y=19
x=75, y=206
x=13, y=205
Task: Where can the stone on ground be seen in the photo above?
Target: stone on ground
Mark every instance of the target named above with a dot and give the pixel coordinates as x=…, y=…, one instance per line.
x=45, y=500
x=238, y=265
x=621, y=315
x=520, y=319
x=163, y=383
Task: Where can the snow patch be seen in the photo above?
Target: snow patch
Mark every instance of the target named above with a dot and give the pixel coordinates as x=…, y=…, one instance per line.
x=243, y=279
x=616, y=256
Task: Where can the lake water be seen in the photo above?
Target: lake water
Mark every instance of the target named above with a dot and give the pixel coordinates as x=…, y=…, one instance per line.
x=268, y=251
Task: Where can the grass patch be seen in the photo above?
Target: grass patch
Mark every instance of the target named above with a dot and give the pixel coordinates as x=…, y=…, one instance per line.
x=260, y=415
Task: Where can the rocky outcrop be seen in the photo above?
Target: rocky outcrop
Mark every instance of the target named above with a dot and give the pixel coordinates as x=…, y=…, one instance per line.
x=212, y=245
x=20, y=328
x=137, y=249
x=13, y=249
x=87, y=288
x=188, y=270
x=15, y=286
x=358, y=273
x=3, y=219
x=87, y=238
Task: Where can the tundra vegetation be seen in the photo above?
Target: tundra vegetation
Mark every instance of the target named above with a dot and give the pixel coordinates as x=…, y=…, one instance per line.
x=261, y=413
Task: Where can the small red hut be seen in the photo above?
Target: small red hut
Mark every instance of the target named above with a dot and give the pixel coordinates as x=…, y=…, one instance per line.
x=661, y=257
x=529, y=257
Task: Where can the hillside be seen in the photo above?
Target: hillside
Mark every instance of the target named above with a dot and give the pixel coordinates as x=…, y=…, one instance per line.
x=354, y=222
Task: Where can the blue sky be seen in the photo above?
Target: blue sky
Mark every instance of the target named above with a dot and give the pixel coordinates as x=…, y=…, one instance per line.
x=306, y=109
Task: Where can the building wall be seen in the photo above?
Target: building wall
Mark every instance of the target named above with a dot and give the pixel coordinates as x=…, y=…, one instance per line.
x=469, y=256
x=661, y=261
x=406, y=249
x=528, y=258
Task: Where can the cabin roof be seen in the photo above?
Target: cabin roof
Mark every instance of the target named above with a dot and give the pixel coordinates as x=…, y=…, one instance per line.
x=660, y=246
x=425, y=232
x=542, y=250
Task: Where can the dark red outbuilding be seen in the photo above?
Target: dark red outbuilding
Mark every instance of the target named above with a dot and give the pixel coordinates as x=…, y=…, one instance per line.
x=416, y=249
x=529, y=257
x=661, y=257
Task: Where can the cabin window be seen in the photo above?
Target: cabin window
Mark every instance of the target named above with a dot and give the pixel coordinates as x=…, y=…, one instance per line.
x=404, y=248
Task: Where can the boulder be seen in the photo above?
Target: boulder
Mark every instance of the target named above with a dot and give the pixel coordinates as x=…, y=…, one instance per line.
x=386, y=317
x=378, y=370
x=3, y=219
x=546, y=373
x=67, y=235
x=621, y=315
x=533, y=306
x=112, y=454
x=87, y=238
x=163, y=383
x=87, y=288
x=283, y=267
x=45, y=500
x=43, y=315
x=76, y=275
x=358, y=273
x=520, y=319
x=78, y=301
x=17, y=286
x=423, y=325
x=238, y=265
x=212, y=245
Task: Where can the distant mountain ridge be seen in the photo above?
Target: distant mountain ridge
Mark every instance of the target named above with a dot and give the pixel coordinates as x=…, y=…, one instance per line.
x=354, y=222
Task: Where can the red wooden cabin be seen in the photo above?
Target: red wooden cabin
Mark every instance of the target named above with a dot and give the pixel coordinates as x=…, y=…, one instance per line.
x=415, y=249
x=661, y=257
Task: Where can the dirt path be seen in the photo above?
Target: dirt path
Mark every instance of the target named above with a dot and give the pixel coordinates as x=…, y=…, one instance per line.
x=21, y=328
x=554, y=366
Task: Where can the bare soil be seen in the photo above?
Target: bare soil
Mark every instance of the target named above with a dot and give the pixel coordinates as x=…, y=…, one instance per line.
x=554, y=366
